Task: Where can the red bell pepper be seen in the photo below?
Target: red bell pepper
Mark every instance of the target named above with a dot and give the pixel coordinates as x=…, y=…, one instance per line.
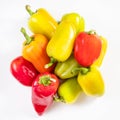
x=87, y=48
x=43, y=89
x=23, y=71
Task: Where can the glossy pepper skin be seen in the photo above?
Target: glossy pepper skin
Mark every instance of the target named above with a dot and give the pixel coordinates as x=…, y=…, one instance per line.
x=23, y=71
x=92, y=82
x=34, y=50
x=76, y=19
x=61, y=44
x=43, y=89
x=64, y=69
x=41, y=22
x=99, y=61
x=87, y=48
x=69, y=90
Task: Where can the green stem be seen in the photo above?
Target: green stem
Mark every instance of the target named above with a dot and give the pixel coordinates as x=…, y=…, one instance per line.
x=46, y=80
x=52, y=61
x=92, y=32
x=29, y=10
x=57, y=98
x=82, y=70
x=58, y=22
x=27, y=37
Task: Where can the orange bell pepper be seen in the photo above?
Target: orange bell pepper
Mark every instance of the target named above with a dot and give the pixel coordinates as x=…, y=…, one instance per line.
x=34, y=50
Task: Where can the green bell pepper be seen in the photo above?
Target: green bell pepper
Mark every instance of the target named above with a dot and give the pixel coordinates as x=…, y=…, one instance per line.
x=64, y=69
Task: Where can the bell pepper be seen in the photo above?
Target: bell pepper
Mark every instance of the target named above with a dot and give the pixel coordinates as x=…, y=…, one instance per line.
x=65, y=69
x=69, y=91
x=87, y=48
x=99, y=61
x=23, y=71
x=76, y=19
x=91, y=82
x=41, y=22
x=34, y=50
x=43, y=90
x=61, y=44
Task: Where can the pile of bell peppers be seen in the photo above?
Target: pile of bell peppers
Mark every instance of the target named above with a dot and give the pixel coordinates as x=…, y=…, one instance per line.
x=60, y=60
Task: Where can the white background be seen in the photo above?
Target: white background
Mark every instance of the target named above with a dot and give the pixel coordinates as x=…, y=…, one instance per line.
x=15, y=99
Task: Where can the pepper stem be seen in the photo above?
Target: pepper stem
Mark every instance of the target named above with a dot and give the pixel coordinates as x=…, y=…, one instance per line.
x=27, y=37
x=83, y=70
x=57, y=98
x=29, y=10
x=92, y=32
x=46, y=80
x=52, y=61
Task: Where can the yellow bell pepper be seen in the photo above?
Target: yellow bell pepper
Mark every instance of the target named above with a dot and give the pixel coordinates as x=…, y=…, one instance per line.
x=92, y=82
x=69, y=90
x=41, y=22
x=61, y=44
x=99, y=61
x=76, y=19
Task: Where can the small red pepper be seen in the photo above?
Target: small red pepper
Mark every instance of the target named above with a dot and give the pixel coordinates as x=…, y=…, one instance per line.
x=43, y=90
x=23, y=71
x=87, y=48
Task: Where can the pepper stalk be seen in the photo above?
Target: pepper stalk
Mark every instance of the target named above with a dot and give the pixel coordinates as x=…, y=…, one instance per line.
x=27, y=37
